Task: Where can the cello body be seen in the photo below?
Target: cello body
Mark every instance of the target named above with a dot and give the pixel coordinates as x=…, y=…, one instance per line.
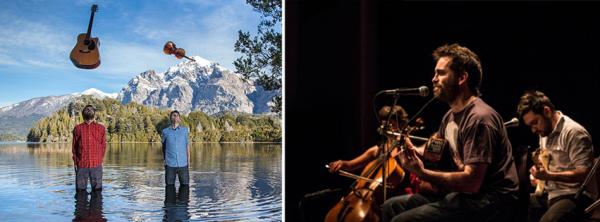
x=365, y=198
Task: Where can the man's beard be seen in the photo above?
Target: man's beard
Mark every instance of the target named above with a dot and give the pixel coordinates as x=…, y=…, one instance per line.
x=449, y=92
x=548, y=129
x=88, y=115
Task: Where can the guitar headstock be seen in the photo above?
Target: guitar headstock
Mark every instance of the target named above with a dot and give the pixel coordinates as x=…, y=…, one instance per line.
x=94, y=8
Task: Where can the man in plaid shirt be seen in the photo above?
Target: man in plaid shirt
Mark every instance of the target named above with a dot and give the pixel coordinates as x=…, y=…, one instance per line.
x=89, y=144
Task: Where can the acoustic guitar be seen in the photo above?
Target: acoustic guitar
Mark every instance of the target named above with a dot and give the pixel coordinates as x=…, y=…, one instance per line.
x=85, y=54
x=540, y=158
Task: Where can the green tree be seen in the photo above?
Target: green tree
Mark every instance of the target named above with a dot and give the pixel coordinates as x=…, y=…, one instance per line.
x=261, y=59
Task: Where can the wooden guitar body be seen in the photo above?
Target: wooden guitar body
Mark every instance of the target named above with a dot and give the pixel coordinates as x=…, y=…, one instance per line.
x=85, y=54
x=541, y=158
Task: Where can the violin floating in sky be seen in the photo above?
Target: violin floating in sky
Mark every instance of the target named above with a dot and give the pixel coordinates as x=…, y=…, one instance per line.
x=171, y=48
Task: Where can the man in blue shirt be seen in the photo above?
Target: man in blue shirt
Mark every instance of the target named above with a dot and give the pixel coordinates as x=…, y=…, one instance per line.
x=176, y=151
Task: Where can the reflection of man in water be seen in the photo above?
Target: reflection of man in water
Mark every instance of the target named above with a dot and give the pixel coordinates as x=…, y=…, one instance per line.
x=176, y=205
x=88, y=211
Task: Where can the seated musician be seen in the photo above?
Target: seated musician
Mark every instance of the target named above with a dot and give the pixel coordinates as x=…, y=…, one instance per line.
x=569, y=147
x=485, y=183
x=398, y=120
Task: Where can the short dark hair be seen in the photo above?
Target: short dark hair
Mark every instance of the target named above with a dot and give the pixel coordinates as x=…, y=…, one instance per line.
x=174, y=111
x=398, y=113
x=463, y=60
x=533, y=101
x=89, y=106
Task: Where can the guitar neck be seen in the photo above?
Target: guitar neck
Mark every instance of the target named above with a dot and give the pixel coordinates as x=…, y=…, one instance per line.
x=89, y=29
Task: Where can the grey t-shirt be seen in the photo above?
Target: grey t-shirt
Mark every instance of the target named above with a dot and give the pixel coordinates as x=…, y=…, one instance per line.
x=477, y=134
x=569, y=146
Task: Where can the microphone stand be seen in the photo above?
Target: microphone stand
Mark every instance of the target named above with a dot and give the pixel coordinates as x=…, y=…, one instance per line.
x=385, y=152
x=588, y=178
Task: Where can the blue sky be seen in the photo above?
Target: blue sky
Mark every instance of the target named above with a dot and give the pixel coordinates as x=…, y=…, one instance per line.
x=37, y=37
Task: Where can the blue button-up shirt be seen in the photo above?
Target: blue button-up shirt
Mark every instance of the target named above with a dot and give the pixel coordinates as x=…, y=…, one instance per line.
x=175, y=143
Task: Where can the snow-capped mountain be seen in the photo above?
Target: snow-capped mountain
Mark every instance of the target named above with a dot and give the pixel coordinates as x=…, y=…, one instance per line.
x=46, y=105
x=189, y=86
x=197, y=85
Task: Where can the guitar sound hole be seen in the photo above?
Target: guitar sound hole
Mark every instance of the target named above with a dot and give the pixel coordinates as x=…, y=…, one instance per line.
x=92, y=45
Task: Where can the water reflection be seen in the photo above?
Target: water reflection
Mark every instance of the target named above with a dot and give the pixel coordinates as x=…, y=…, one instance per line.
x=88, y=210
x=176, y=204
x=227, y=182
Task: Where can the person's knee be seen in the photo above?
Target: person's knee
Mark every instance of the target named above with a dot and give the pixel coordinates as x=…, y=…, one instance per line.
x=395, y=205
x=403, y=218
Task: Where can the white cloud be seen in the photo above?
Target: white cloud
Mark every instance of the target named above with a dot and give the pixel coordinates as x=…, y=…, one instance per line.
x=25, y=42
x=129, y=59
x=210, y=33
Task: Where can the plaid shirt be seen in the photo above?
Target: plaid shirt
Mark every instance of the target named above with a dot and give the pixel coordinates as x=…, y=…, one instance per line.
x=89, y=144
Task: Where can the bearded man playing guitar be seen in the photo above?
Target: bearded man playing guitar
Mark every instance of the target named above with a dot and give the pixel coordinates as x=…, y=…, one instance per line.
x=485, y=183
x=570, y=150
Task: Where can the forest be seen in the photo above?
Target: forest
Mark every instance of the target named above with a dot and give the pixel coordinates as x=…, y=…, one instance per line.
x=138, y=123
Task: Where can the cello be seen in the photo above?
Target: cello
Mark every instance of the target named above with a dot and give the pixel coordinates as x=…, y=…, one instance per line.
x=366, y=193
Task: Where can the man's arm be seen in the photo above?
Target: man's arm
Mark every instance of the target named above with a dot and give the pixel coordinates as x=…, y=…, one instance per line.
x=74, y=148
x=187, y=145
x=163, y=146
x=468, y=180
x=103, y=142
x=579, y=148
x=570, y=176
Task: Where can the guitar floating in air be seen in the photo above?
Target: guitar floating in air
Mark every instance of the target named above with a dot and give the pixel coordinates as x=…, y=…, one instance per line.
x=85, y=54
x=170, y=48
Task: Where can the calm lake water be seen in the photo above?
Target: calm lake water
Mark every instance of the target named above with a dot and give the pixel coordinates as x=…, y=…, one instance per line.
x=228, y=182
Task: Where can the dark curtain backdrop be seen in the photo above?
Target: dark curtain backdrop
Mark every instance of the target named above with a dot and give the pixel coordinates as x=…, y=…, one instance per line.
x=338, y=54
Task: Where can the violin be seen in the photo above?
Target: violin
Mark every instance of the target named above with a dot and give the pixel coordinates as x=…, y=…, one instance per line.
x=366, y=193
x=171, y=49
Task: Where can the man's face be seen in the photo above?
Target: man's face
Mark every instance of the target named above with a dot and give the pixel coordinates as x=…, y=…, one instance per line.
x=540, y=124
x=88, y=113
x=445, y=83
x=175, y=118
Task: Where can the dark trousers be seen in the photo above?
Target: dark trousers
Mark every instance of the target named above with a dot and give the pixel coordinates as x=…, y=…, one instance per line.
x=182, y=172
x=451, y=207
x=82, y=175
x=563, y=208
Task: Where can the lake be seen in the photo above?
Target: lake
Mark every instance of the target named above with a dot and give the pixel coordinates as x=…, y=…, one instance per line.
x=228, y=182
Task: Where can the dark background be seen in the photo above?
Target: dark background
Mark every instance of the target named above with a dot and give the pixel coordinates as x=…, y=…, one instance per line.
x=338, y=54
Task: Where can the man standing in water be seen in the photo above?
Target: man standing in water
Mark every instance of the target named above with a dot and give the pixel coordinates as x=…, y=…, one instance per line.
x=89, y=145
x=176, y=151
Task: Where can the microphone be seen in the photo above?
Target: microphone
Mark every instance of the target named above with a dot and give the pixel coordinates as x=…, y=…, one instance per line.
x=512, y=123
x=421, y=91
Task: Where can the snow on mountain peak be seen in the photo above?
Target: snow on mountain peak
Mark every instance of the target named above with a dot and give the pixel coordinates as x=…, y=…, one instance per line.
x=201, y=61
x=197, y=85
x=97, y=92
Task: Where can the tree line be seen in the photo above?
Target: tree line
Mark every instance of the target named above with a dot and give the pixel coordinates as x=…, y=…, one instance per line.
x=138, y=123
